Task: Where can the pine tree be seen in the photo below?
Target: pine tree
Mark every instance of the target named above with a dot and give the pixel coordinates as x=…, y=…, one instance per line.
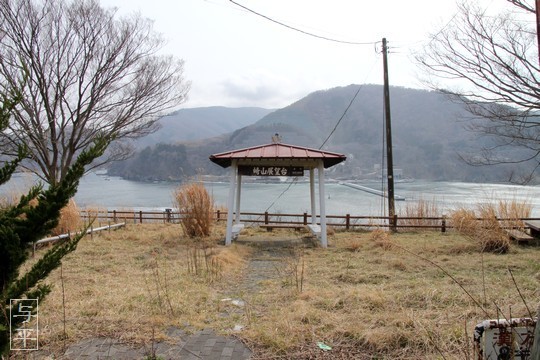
x=23, y=224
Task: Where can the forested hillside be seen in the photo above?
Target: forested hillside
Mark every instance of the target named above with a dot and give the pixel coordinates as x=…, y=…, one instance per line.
x=160, y=162
x=428, y=136
x=162, y=156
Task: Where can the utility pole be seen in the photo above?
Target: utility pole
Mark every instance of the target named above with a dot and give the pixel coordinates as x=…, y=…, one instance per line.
x=389, y=157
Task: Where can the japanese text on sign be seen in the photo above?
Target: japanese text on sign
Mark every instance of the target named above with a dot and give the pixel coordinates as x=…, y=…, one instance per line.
x=24, y=331
x=271, y=170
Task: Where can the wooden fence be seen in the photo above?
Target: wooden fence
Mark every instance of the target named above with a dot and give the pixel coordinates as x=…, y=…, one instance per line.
x=346, y=222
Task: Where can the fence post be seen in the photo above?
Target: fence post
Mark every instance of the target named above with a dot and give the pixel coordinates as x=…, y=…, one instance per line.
x=218, y=215
x=266, y=217
x=347, y=221
x=393, y=223
x=114, y=215
x=305, y=218
x=140, y=216
x=443, y=224
x=168, y=211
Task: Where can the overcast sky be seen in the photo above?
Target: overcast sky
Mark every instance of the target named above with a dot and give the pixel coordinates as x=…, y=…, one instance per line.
x=235, y=58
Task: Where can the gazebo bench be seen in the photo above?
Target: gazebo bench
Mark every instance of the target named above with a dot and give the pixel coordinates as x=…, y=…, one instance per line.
x=270, y=227
x=534, y=227
x=518, y=235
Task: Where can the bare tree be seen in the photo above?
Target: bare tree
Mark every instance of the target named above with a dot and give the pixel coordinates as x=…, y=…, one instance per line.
x=493, y=61
x=87, y=73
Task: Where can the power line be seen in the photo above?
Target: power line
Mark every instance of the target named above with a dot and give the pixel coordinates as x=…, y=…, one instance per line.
x=295, y=180
x=342, y=116
x=300, y=30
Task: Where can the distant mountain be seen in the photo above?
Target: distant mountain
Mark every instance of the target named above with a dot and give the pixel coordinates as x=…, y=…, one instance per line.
x=201, y=123
x=428, y=134
x=162, y=155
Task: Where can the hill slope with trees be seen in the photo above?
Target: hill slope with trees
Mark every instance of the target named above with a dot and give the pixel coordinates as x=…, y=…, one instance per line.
x=429, y=135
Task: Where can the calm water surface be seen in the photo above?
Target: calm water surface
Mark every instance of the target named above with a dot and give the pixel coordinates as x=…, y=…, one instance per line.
x=117, y=193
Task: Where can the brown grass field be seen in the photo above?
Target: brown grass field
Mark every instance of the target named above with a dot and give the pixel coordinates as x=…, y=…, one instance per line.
x=370, y=295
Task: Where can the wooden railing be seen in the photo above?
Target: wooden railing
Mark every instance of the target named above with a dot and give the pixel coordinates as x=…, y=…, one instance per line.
x=346, y=222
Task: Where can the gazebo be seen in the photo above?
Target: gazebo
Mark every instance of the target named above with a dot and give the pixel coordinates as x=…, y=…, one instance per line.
x=276, y=159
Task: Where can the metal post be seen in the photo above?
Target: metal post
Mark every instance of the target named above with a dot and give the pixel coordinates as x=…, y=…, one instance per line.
x=312, y=195
x=230, y=204
x=238, y=189
x=322, y=207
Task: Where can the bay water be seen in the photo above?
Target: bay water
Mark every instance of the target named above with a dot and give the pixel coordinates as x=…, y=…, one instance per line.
x=116, y=193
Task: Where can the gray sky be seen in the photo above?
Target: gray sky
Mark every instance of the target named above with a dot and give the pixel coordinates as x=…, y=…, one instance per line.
x=235, y=58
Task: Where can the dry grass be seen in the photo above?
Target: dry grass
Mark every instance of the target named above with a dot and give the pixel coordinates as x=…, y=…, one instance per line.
x=489, y=232
x=419, y=212
x=9, y=199
x=194, y=200
x=369, y=295
x=513, y=211
x=70, y=219
x=127, y=282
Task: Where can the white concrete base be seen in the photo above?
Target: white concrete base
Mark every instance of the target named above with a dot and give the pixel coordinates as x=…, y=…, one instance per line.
x=236, y=228
x=315, y=230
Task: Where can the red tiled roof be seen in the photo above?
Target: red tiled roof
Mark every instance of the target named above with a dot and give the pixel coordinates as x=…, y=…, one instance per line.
x=277, y=152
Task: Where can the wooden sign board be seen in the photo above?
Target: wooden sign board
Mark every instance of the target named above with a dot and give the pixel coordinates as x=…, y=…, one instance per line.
x=246, y=170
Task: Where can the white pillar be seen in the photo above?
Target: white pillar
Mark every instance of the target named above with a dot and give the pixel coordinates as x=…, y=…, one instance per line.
x=312, y=194
x=230, y=204
x=322, y=207
x=238, y=195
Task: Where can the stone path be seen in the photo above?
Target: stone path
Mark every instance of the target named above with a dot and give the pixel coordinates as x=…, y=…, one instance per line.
x=205, y=344
x=266, y=261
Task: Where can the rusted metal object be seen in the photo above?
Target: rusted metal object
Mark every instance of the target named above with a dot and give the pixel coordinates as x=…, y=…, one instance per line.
x=505, y=339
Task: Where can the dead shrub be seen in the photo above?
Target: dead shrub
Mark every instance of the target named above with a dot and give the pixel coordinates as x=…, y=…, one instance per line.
x=482, y=227
x=70, y=219
x=486, y=225
x=196, y=207
x=464, y=221
x=512, y=211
